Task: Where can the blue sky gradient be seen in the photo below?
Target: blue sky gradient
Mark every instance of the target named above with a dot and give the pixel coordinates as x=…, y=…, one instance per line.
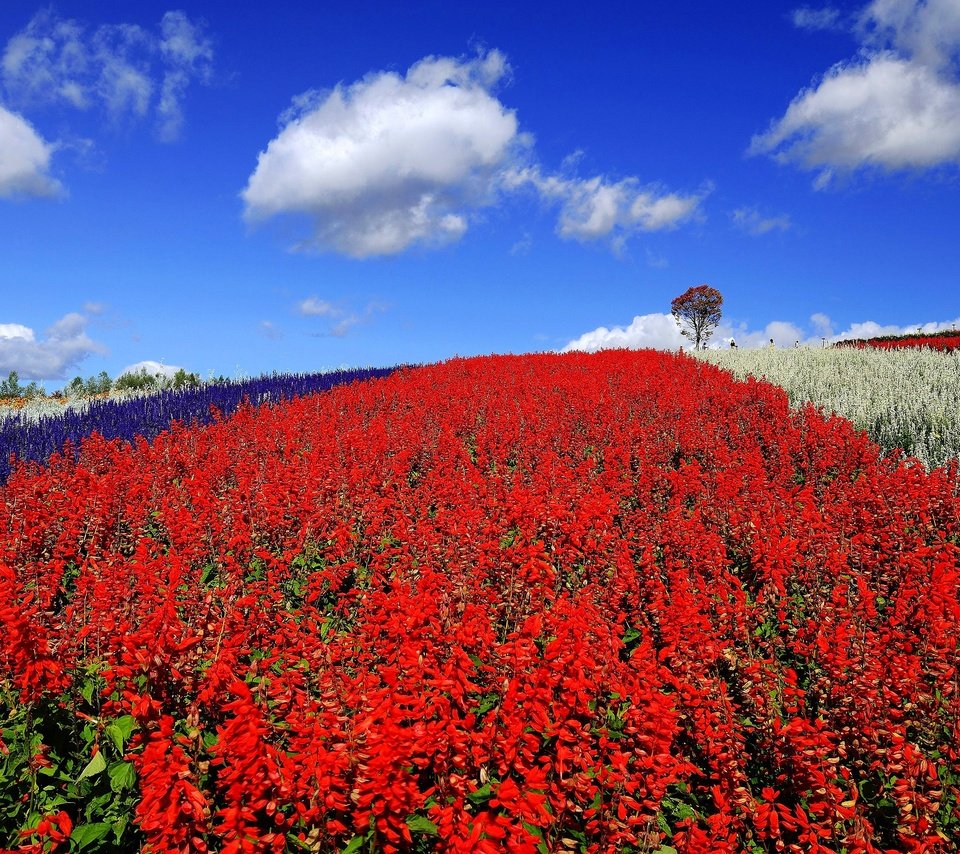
x=466, y=178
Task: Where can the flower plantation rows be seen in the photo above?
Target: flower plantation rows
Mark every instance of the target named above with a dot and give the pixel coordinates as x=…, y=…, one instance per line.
x=947, y=340
x=35, y=432
x=610, y=602
x=904, y=398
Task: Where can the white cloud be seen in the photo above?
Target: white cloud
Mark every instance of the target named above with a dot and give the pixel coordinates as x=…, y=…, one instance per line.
x=660, y=332
x=822, y=324
x=523, y=245
x=154, y=369
x=16, y=331
x=895, y=106
x=596, y=208
x=783, y=333
x=314, y=307
x=393, y=161
x=656, y=331
x=389, y=161
x=342, y=320
x=871, y=329
x=753, y=222
x=806, y=18
x=66, y=343
x=269, y=329
x=928, y=31
x=124, y=69
x=188, y=54
x=24, y=159
x=656, y=260
x=887, y=112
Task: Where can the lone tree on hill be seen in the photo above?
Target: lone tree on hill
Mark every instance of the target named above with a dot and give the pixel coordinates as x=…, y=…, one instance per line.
x=697, y=312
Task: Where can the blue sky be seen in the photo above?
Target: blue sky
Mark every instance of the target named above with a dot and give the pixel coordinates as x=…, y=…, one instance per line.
x=307, y=186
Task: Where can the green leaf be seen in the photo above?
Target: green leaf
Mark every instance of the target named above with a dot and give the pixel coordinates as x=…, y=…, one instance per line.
x=126, y=724
x=86, y=834
x=120, y=730
x=355, y=844
x=481, y=795
x=421, y=824
x=533, y=830
x=115, y=736
x=94, y=767
x=301, y=844
x=487, y=702
x=664, y=825
x=122, y=776
x=666, y=849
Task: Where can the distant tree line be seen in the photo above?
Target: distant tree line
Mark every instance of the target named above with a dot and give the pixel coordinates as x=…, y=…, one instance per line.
x=11, y=388
x=101, y=384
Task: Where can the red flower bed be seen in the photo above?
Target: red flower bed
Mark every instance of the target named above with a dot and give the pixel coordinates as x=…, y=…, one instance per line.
x=605, y=602
x=947, y=341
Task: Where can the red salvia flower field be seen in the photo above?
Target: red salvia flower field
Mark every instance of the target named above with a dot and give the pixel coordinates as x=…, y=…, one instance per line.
x=947, y=341
x=609, y=603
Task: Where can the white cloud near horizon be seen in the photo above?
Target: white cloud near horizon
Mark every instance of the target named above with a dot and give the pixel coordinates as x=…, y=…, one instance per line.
x=656, y=331
x=394, y=161
x=659, y=331
x=894, y=106
x=66, y=343
x=125, y=70
x=152, y=368
x=24, y=159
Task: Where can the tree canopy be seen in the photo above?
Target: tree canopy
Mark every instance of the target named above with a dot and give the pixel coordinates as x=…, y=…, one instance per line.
x=697, y=312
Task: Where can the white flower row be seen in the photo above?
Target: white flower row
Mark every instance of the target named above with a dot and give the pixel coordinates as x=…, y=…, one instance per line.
x=905, y=398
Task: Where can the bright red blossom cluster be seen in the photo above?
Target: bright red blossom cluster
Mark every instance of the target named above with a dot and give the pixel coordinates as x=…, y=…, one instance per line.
x=545, y=603
x=947, y=341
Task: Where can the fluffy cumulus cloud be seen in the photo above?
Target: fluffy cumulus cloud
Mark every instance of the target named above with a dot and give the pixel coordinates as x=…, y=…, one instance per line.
x=393, y=161
x=128, y=71
x=660, y=332
x=65, y=344
x=928, y=31
x=896, y=105
x=24, y=159
x=655, y=331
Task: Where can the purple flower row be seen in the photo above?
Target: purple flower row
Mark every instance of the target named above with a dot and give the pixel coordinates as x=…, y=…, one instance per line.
x=25, y=439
